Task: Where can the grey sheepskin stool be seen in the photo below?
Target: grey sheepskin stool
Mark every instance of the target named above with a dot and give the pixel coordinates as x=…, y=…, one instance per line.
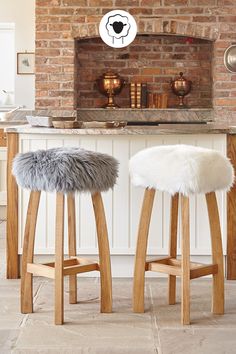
x=181, y=171
x=65, y=171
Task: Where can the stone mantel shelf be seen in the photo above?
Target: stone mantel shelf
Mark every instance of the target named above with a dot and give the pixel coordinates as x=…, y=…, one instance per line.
x=146, y=114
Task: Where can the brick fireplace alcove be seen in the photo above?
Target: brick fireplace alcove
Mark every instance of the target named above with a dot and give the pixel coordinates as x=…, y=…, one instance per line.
x=62, y=26
x=155, y=59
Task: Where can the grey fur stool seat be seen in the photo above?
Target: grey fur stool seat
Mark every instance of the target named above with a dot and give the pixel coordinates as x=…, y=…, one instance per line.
x=65, y=171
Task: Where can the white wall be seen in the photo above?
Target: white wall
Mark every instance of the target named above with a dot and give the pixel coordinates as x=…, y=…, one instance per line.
x=22, y=13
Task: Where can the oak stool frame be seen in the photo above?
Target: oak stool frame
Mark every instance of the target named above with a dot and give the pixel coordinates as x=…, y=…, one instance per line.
x=171, y=265
x=61, y=267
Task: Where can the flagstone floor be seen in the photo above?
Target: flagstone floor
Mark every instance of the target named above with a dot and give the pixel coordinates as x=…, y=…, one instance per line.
x=86, y=331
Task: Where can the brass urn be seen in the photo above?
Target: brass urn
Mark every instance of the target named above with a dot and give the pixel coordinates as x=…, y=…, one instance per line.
x=110, y=84
x=181, y=87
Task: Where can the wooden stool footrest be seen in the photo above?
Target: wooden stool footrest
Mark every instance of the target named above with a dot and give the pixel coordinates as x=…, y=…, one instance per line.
x=172, y=266
x=71, y=266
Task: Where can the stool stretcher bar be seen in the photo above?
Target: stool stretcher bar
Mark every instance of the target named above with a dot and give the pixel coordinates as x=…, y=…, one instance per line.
x=172, y=266
x=71, y=266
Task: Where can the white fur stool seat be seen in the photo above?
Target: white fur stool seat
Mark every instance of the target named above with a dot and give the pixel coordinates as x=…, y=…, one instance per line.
x=182, y=169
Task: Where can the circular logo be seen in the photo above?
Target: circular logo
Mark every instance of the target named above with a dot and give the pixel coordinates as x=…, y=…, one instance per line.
x=118, y=28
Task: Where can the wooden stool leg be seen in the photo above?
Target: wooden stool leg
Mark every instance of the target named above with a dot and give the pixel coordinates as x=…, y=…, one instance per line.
x=185, y=264
x=104, y=253
x=28, y=253
x=72, y=246
x=217, y=254
x=59, y=256
x=141, y=250
x=173, y=246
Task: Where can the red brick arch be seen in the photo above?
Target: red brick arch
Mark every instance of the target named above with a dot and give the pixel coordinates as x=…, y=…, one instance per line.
x=155, y=26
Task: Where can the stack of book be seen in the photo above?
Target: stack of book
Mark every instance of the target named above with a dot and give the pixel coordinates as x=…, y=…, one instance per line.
x=157, y=100
x=138, y=95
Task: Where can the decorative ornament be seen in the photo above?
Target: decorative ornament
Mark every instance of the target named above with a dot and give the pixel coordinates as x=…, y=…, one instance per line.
x=110, y=84
x=181, y=87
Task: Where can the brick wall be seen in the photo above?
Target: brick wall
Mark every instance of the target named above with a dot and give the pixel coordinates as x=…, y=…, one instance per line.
x=152, y=59
x=59, y=22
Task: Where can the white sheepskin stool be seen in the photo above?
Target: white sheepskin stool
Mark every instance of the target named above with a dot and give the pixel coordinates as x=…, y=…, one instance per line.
x=180, y=170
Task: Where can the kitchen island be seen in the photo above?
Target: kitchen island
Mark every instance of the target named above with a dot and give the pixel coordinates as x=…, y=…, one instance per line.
x=123, y=204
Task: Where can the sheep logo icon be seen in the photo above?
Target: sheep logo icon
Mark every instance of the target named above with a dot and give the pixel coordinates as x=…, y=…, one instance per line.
x=118, y=28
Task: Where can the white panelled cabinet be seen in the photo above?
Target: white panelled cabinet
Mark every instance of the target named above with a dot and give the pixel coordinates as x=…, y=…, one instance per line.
x=123, y=204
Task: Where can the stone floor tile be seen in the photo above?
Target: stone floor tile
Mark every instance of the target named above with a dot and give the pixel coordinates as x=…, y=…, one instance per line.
x=10, y=315
x=95, y=332
x=85, y=327
x=11, y=321
x=168, y=316
x=88, y=301
x=7, y=340
x=197, y=341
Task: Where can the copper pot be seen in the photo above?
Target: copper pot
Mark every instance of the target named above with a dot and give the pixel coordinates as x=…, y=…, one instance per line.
x=181, y=87
x=110, y=84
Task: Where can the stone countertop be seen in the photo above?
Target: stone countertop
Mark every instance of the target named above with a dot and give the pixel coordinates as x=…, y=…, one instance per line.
x=162, y=129
x=7, y=124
